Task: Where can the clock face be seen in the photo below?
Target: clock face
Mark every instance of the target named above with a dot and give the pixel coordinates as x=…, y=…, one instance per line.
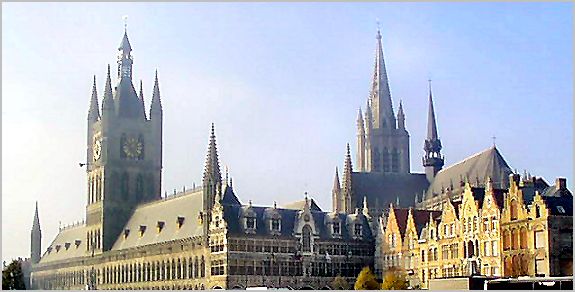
x=132, y=148
x=97, y=149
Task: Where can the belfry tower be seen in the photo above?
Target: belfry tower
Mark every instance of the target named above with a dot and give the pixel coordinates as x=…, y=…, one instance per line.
x=124, y=153
x=383, y=141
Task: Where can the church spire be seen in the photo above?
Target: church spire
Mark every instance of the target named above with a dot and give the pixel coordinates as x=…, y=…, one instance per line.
x=432, y=160
x=346, y=190
x=336, y=193
x=36, y=238
x=212, y=168
x=431, y=124
x=380, y=96
x=94, y=112
x=360, y=142
x=156, y=106
x=125, y=58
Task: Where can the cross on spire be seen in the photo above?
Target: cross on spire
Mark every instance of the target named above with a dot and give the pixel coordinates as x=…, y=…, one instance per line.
x=493, y=138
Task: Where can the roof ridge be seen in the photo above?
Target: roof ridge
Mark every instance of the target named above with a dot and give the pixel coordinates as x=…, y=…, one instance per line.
x=468, y=158
x=169, y=198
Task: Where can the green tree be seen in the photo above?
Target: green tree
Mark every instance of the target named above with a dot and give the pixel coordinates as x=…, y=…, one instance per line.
x=12, y=277
x=394, y=279
x=366, y=280
x=340, y=283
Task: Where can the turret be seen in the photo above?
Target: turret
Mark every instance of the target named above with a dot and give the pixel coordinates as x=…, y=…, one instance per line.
x=400, y=117
x=94, y=112
x=108, y=99
x=432, y=160
x=36, y=238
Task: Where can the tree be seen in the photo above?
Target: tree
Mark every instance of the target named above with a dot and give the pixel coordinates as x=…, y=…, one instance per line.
x=394, y=279
x=340, y=283
x=12, y=277
x=366, y=280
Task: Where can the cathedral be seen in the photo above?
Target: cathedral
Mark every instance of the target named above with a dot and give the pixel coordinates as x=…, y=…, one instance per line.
x=200, y=238
x=383, y=174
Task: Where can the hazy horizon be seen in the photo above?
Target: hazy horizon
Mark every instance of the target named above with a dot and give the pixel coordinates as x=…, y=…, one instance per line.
x=282, y=83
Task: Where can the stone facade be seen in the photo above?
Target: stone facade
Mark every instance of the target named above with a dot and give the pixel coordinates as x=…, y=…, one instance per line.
x=201, y=238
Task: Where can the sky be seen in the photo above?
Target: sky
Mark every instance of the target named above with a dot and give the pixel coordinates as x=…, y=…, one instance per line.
x=283, y=83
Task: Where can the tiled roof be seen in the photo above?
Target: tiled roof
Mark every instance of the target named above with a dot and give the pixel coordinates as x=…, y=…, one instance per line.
x=298, y=205
x=560, y=206
x=69, y=243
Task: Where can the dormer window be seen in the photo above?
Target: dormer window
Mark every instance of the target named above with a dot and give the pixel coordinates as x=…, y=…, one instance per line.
x=250, y=222
x=357, y=230
x=336, y=228
x=126, y=233
x=275, y=224
x=142, y=230
x=49, y=249
x=77, y=242
x=67, y=245
x=180, y=221
x=58, y=248
x=160, y=226
x=560, y=209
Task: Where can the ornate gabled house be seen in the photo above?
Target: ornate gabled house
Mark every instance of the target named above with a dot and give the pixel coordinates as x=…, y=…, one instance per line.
x=200, y=238
x=491, y=232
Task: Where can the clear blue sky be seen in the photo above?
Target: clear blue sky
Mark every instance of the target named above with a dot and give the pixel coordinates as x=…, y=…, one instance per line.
x=283, y=83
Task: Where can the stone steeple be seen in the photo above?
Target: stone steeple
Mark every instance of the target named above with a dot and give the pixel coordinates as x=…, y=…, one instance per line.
x=346, y=185
x=380, y=96
x=360, y=142
x=212, y=180
x=156, y=106
x=94, y=112
x=36, y=238
x=432, y=160
x=128, y=104
x=141, y=96
x=336, y=193
x=108, y=100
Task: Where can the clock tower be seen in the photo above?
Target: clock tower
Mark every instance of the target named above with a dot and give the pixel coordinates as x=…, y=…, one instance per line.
x=124, y=154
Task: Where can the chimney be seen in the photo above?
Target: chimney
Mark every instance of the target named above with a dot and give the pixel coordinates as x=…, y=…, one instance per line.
x=561, y=183
x=514, y=177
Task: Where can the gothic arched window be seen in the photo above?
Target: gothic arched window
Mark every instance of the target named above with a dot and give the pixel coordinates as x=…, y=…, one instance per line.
x=306, y=238
x=386, y=160
x=125, y=188
x=122, y=143
x=141, y=142
x=395, y=160
x=139, y=186
x=203, y=267
x=514, y=208
x=376, y=159
x=196, y=267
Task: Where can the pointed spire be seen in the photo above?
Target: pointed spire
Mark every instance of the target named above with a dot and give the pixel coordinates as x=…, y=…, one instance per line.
x=227, y=175
x=346, y=185
x=380, y=95
x=336, y=185
x=431, y=124
x=108, y=100
x=397, y=201
x=400, y=116
x=212, y=169
x=36, y=222
x=360, y=125
x=94, y=112
x=141, y=97
x=36, y=238
x=125, y=44
x=156, y=106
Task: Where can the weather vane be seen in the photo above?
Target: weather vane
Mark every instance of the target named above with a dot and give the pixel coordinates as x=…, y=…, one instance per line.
x=125, y=18
x=493, y=138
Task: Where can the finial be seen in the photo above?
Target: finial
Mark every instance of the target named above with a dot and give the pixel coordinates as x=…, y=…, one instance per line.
x=275, y=205
x=231, y=185
x=378, y=29
x=108, y=70
x=493, y=138
x=125, y=18
x=250, y=203
x=227, y=172
x=156, y=74
x=429, y=82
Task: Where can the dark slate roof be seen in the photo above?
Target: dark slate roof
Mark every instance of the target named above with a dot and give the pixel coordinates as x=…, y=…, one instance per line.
x=499, y=197
x=289, y=217
x=229, y=197
x=488, y=163
x=382, y=189
x=554, y=191
x=298, y=205
x=560, y=206
x=127, y=102
x=456, y=205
